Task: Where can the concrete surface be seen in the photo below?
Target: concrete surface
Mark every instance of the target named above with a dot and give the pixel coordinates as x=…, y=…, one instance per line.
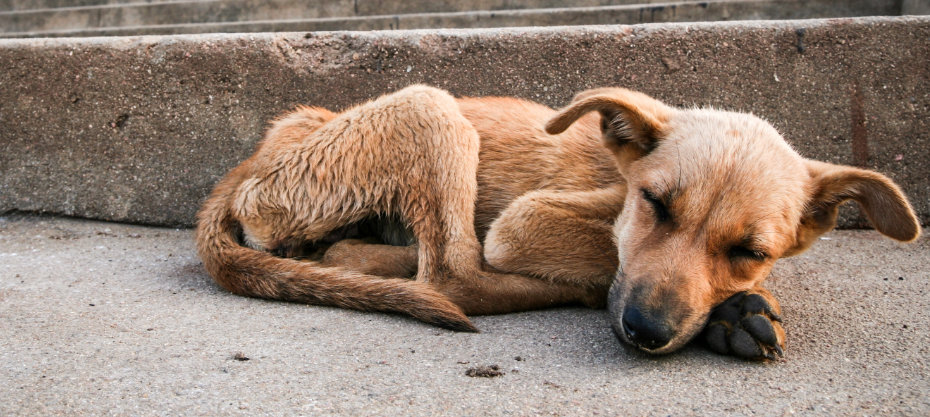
x=45, y=4
x=109, y=319
x=915, y=7
x=288, y=15
x=139, y=129
x=348, y=7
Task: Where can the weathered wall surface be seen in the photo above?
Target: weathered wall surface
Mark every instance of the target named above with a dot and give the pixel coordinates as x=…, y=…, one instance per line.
x=139, y=129
x=238, y=16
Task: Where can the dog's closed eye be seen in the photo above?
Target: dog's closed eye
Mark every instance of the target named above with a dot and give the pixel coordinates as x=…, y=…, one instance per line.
x=743, y=253
x=658, y=206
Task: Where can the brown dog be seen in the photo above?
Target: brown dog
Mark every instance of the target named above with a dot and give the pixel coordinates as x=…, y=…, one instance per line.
x=426, y=205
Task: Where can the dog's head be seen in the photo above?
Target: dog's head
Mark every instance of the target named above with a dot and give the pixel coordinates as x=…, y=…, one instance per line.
x=714, y=199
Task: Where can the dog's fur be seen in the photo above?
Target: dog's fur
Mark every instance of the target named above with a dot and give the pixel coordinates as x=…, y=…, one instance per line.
x=426, y=205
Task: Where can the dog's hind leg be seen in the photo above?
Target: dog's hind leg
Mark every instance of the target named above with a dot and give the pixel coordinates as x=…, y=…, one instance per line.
x=373, y=259
x=398, y=156
x=410, y=155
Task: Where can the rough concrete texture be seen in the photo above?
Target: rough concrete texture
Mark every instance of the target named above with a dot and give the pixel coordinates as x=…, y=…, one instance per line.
x=17, y=5
x=139, y=129
x=107, y=319
x=345, y=7
x=285, y=15
x=915, y=7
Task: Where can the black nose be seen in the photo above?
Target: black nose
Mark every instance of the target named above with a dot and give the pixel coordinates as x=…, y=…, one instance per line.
x=643, y=331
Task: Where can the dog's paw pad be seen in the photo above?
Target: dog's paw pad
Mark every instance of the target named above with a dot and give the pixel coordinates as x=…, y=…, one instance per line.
x=746, y=326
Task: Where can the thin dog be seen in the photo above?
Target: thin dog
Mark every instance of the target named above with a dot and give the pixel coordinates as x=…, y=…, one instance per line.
x=436, y=207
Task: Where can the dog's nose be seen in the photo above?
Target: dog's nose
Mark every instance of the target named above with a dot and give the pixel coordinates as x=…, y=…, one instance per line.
x=643, y=331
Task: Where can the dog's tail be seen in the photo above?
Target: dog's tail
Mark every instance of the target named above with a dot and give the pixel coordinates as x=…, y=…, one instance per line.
x=255, y=273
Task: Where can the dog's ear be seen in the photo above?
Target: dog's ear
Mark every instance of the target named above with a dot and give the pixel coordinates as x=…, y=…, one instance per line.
x=881, y=200
x=627, y=117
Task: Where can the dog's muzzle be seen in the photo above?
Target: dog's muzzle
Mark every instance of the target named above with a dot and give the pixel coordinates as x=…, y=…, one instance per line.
x=643, y=329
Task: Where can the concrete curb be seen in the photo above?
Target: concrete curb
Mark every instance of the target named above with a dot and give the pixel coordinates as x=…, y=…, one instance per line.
x=286, y=15
x=343, y=7
x=23, y=5
x=138, y=129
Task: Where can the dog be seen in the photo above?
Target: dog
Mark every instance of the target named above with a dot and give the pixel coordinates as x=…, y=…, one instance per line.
x=439, y=207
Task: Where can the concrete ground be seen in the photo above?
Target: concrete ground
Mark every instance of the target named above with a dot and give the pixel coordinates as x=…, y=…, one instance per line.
x=110, y=319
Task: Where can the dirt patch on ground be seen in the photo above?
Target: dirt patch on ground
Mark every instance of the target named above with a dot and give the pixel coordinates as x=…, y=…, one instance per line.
x=484, y=371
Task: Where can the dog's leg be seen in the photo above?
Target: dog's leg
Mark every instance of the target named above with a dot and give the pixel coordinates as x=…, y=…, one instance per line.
x=441, y=215
x=563, y=237
x=560, y=246
x=493, y=292
x=747, y=325
x=488, y=292
x=373, y=259
x=449, y=256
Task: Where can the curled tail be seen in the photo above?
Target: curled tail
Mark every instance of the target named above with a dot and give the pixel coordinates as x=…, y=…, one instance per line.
x=255, y=273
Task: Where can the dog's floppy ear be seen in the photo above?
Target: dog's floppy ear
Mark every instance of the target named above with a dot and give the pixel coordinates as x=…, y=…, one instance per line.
x=881, y=200
x=627, y=117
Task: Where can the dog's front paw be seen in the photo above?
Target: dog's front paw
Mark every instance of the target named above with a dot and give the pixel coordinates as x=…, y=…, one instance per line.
x=748, y=326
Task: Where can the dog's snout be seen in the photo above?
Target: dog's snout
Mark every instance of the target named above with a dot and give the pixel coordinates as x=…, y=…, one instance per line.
x=645, y=331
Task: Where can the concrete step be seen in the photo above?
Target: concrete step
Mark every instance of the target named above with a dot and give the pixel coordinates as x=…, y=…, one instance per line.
x=138, y=129
x=286, y=15
x=915, y=7
x=19, y=5
x=344, y=7
x=155, y=13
